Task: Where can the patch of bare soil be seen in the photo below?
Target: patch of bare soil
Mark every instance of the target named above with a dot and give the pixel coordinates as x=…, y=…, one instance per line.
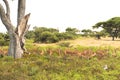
x=95, y=42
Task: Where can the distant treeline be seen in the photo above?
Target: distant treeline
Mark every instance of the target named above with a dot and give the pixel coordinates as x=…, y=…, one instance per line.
x=51, y=35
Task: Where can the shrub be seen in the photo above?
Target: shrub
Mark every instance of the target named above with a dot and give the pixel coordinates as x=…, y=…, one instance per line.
x=64, y=44
x=30, y=35
x=48, y=37
x=4, y=39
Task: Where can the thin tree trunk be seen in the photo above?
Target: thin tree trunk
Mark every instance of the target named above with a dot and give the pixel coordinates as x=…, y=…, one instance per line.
x=113, y=38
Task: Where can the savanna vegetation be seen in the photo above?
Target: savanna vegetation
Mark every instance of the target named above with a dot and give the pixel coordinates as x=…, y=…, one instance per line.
x=54, y=55
x=52, y=67
x=111, y=26
x=82, y=58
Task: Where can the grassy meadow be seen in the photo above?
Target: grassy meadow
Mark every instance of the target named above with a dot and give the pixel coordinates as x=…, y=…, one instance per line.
x=79, y=59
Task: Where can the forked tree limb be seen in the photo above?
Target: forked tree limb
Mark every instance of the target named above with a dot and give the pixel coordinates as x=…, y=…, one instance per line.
x=21, y=28
x=7, y=9
x=5, y=20
x=26, y=26
x=22, y=39
x=25, y=31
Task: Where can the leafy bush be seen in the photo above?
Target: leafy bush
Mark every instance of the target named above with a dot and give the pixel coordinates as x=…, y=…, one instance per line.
x=4, y=39
x=45, y=35
x=30, y=35
x=64, y=44
x=50, y=35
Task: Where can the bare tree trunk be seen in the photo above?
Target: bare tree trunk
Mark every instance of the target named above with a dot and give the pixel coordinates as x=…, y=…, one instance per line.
x=17, y=41
x=15, y=49
x=18, y=50
x=21, y=10
x=11, y=44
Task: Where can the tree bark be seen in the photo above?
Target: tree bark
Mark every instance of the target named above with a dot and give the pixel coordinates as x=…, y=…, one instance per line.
x=17, y=40
x=113, y=38
x=21, y=10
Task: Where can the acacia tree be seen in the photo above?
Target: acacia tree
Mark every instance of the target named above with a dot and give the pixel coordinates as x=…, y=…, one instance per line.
x=112, y=26
x=87, y=32
x=16, y=34
x=72, y=30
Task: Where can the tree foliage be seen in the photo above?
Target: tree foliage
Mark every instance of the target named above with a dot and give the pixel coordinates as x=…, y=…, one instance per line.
x=87, y=32
x=45, y=35
x=30, y=35
x=72, y=30
x=4, y=39
x=51, y=35
x=112, y=26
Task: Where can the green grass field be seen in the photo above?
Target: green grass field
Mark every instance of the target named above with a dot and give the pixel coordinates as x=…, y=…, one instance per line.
x=105, y=65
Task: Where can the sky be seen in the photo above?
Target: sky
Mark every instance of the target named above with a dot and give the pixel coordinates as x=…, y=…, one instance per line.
x=60, y=14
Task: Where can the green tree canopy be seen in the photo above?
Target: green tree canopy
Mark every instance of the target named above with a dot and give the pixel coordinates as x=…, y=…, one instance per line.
x=51, y=35
x=45, y=35
x=112, y=26
x=87, y=32
x=72, y=30
x=4, y=39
